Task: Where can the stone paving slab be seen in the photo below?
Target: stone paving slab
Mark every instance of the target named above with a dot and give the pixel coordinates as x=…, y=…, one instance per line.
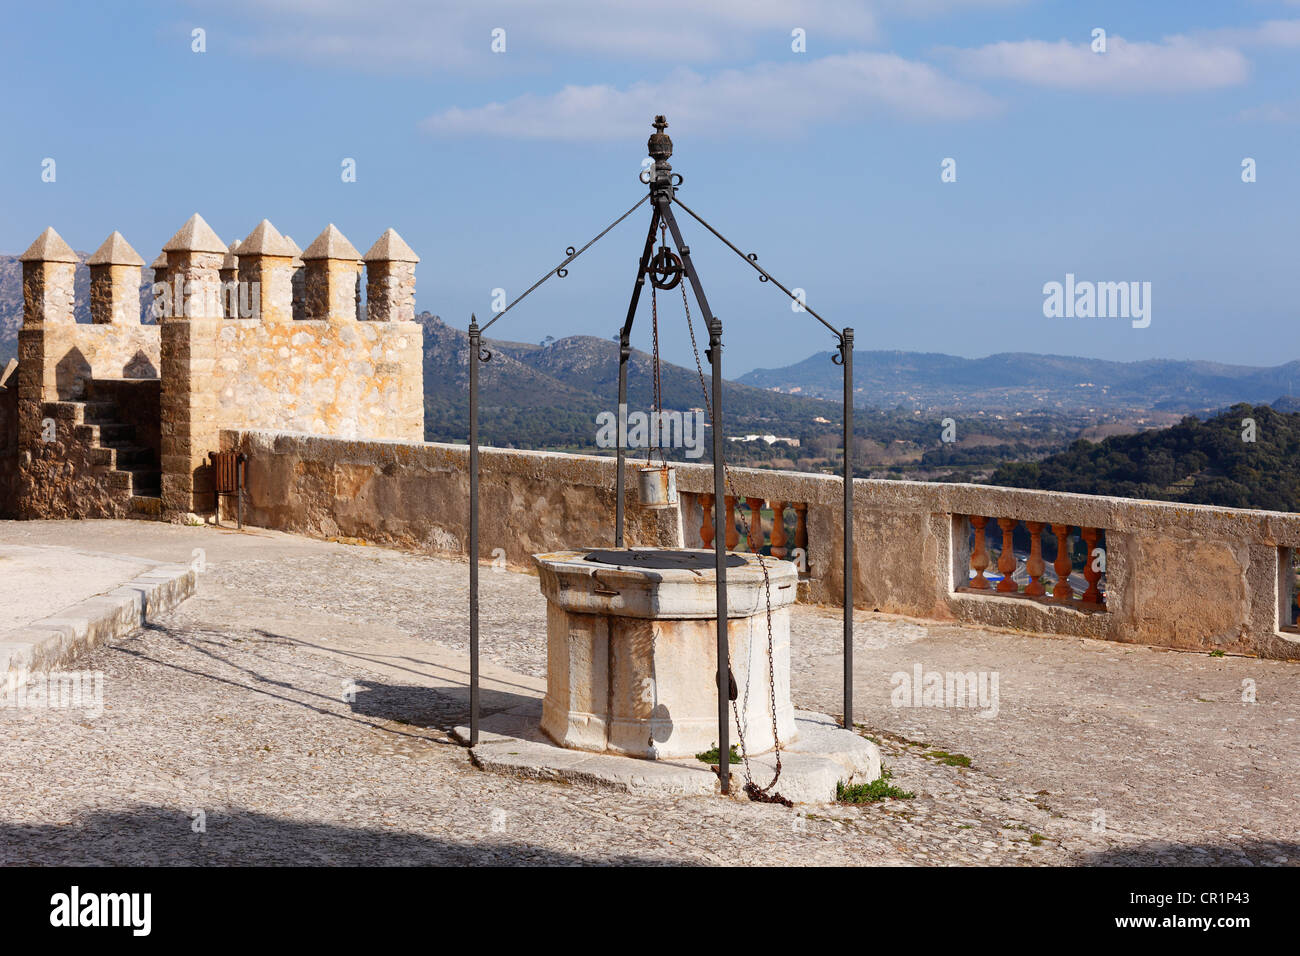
x=37, y=581
x=50, y=643
x=822, y=756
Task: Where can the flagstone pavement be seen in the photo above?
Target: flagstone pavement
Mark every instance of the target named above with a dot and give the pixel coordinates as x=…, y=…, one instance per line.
x=296, y=709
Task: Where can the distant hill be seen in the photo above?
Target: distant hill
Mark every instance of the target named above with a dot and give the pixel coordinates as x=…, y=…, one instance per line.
x=549, y=395
x=1017, y=381
x=1198, y=462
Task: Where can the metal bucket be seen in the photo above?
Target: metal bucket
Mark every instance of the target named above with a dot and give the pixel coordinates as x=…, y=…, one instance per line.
x=658, y=486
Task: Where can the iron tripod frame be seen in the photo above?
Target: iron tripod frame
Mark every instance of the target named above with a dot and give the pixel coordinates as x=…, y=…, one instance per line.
x=662, y=195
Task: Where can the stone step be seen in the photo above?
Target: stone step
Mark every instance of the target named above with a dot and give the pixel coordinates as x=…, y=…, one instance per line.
x=98, y=412
x=114, y=434
x=106, y=457
x=127, y=457
x=146, y=507
x=145, y=482
x=87, y=433
x=69, y=413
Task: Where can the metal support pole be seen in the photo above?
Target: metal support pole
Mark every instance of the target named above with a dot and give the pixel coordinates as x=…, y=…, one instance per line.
x=720, y=558
x=624, y=351
x=241, y=479
x=846, y=352
x=624, y=354
x=474, y=352
x=719, y=488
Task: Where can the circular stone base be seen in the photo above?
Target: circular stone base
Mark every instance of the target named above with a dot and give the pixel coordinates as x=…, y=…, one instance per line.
x=823, y=756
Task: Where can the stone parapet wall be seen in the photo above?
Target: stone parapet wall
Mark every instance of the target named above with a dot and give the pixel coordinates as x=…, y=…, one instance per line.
x=64, y=358
x=1183, y=576
x=415, y=495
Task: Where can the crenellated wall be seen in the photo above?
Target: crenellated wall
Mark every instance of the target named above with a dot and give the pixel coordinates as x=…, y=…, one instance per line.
x=330, y=371
x=254, y=335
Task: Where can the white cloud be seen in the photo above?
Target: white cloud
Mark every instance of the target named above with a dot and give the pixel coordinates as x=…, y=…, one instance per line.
x=1275, y=33
x=406, y=35
x=770, y=98
x=1174, y=64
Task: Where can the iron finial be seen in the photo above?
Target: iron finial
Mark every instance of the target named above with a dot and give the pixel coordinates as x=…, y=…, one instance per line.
x=660, y=147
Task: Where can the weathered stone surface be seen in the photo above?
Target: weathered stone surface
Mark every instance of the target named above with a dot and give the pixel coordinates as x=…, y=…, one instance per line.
x=266, y=269
x=1114, y=754
x=353, y=381
x=390, y=247
x=332, y=283
x=115, y=251
x=821, y=757
x=115, y=282
x=49, y=247
x=632, y=656
x=38, y=646
x=195, y=236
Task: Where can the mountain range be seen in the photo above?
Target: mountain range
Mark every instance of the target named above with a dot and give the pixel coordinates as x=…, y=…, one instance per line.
x=1023, y=382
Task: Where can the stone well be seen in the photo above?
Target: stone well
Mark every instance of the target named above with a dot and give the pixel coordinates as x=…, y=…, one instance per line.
x=632, y=652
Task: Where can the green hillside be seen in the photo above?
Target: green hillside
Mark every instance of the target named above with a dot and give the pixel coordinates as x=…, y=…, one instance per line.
x=1198, y=462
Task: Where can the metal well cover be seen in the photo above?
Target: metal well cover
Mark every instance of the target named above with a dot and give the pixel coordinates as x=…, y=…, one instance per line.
x=662, y=559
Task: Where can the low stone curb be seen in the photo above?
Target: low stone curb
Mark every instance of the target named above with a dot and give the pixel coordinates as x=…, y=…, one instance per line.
x=53, y=642
x=822, y=756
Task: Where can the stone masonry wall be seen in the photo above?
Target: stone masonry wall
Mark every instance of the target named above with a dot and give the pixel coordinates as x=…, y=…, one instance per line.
x=64, y=478
x=355, y=380
x=329, y=371
x=68, y=356
x=8, y=442
x=1191, y=577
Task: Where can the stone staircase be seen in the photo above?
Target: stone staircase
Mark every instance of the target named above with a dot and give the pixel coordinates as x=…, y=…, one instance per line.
x=132, y=467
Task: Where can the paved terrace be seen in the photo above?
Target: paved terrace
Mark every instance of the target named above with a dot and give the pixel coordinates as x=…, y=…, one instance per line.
x=236, y=704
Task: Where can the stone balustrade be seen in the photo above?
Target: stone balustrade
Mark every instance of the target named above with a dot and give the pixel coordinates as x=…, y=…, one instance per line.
x=1185, y=576
x=783, y=534
x=1036, y=570
x=1289, y=589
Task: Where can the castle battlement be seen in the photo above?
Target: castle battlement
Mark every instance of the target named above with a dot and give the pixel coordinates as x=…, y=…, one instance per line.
x=254, y=334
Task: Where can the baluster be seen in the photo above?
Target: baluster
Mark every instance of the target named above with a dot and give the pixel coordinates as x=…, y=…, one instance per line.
x=801, y=534
x=1062, y=591
x=1007, y=560
x=732, y=535
x=706, y=528
x=979, y=556
x=1090, y=571
x=755, y=524
x=1034, y=565
x=779, y=549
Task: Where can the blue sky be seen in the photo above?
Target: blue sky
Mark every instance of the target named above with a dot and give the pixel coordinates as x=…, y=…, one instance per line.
x=1115, y=166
